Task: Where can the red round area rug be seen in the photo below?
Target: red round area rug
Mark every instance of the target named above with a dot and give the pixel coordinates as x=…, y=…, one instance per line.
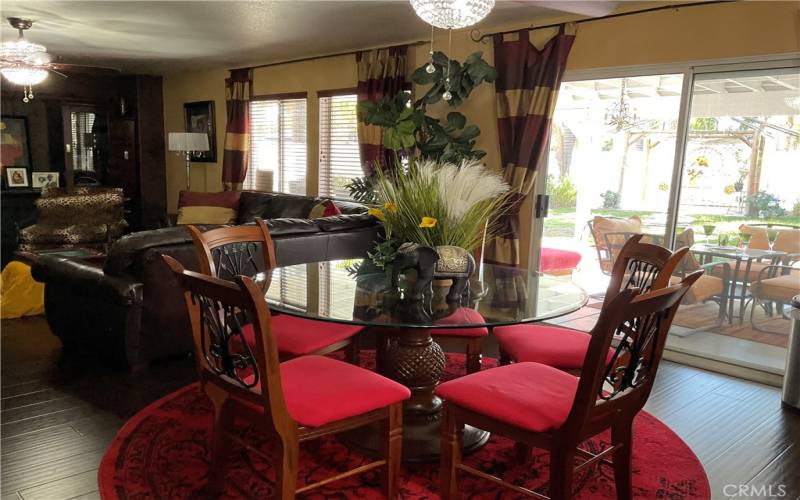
x=163, y=452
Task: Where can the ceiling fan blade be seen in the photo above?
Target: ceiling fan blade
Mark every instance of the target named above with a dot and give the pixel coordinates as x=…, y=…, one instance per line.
x=83, y=68
x=591, y=9
x=62, y=75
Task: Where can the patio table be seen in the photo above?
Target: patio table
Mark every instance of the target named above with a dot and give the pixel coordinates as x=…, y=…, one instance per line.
x=740, y=256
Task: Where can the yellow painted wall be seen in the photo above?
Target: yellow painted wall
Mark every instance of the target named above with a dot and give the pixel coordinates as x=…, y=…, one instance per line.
x=717, y=31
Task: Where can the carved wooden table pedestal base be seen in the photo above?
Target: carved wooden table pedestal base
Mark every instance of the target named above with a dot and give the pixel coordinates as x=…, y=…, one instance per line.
x=411, y=357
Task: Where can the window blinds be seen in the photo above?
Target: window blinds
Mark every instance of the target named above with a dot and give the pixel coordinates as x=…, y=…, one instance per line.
x=289, y=285
x=277, y=146
x=339, y=158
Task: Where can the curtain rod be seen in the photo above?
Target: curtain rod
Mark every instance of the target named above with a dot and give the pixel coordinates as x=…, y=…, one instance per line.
x=337, y=54
x=476, y=36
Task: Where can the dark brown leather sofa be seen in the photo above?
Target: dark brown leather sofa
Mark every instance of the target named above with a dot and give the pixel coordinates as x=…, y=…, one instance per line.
x=131, y=310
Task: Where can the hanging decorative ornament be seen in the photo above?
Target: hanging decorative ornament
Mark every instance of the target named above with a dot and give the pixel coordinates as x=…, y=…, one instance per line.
x=447, y=95
x=452, y=14
x=430, y=68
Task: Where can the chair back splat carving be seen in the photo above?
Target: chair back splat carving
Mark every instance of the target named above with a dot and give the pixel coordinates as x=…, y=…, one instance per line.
x=227, y=252
x=218, y=309
x=643, y=266
x=640, y=322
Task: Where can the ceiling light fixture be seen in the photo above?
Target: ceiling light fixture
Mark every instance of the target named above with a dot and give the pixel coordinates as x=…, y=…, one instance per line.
x=452, y=14
x=22, y=62
x=622, y=115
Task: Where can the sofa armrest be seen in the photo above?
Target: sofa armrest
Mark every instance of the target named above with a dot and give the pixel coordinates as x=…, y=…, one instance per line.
x=87, y=280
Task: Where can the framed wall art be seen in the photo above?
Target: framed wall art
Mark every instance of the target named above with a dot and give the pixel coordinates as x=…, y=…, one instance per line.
x=200, y=118
x=14, y=150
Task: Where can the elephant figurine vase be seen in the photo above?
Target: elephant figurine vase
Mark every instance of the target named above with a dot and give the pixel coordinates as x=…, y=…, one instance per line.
x=457, y=264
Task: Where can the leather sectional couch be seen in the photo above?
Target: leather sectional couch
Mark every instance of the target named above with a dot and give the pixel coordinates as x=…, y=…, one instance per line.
x=131, y=309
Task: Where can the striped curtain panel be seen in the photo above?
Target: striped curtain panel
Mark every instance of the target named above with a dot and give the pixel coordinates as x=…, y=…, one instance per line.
x=527, y=85
x=381, y=73
x=238, y=91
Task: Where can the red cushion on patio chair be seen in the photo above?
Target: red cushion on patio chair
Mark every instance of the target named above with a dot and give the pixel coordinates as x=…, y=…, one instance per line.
x=528, y=395
x=554, y=346
x=462, y=315
x=300, y=336
x=556, y=259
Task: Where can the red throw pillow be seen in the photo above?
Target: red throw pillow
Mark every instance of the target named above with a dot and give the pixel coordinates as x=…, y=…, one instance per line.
x=225, y=199
x=325, y=208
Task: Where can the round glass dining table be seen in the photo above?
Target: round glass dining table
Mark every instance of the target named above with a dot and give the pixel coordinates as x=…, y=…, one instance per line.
x=354, y=291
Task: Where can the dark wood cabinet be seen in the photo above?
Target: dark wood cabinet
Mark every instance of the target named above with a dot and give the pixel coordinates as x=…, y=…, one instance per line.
x=123, y=144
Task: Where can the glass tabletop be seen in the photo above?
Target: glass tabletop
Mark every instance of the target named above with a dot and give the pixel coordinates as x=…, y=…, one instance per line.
x=736, y=252
x=355, y=291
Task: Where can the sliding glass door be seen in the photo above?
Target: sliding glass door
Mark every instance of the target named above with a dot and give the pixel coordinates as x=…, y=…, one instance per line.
x=740, y=176
x=610, y=167
x=686, y=158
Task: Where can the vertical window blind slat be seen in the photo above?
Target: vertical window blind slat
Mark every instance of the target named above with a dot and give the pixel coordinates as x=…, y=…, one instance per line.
x=339, y=157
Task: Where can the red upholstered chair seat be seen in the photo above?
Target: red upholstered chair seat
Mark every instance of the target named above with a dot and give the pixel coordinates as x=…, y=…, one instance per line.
x=528, y=395
x=560, y=348
x=320, y=390
x=299, y=336
x=556, y=259
x=462, y=316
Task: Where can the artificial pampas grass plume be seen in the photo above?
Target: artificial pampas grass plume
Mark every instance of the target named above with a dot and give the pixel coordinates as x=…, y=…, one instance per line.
x=461, y=188
x=464, y=201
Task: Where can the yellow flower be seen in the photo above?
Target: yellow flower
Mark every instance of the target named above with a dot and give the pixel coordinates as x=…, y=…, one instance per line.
x=377, y=213
x=427, y=222
x=390, y=207
x=663, y=187
x=702, y=161
x=729, y=189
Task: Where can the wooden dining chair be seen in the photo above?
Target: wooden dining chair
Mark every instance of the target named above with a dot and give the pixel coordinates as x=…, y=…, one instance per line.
x=471, y=338
x=538, y=405
x=248, y=250
x=298, y=400
x=638, y=265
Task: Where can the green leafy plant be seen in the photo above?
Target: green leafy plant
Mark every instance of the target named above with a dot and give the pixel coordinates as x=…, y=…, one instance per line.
x=362, y=189
x=406, y=126
x=464, y=77
x=610, y=199
x=563, y=193
x=765, y=205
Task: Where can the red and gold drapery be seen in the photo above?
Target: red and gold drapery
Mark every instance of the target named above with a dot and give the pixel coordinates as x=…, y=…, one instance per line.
x=235, y=160
x=527, y=85
x=381, y=73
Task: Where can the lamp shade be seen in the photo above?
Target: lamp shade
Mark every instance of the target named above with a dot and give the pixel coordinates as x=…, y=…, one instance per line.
x=188, y=141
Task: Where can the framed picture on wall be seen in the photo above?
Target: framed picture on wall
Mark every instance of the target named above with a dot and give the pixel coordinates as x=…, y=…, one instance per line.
x=44, y=179
x=200, y=118
x=14, y=150
x=16, y=177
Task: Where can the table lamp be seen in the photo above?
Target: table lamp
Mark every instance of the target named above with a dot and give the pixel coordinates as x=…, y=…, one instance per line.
x=188, y=143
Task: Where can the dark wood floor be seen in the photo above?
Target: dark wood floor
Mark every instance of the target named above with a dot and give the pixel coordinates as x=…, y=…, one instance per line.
x=57, y=419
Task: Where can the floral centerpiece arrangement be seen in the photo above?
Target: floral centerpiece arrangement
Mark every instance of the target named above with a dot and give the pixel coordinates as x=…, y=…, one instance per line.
x=437, y=204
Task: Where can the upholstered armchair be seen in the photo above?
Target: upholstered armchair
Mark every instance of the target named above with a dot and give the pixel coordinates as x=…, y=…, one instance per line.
x=713, y=285
x=775, y=285
x=610, y=235
x=88, y=217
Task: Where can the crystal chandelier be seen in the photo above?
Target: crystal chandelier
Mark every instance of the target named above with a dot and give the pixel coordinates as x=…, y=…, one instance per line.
x=22, y=62
x=621, y=115
x=452, y=14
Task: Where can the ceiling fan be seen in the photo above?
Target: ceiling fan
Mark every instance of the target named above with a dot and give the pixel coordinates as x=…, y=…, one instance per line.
x=27, y=64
